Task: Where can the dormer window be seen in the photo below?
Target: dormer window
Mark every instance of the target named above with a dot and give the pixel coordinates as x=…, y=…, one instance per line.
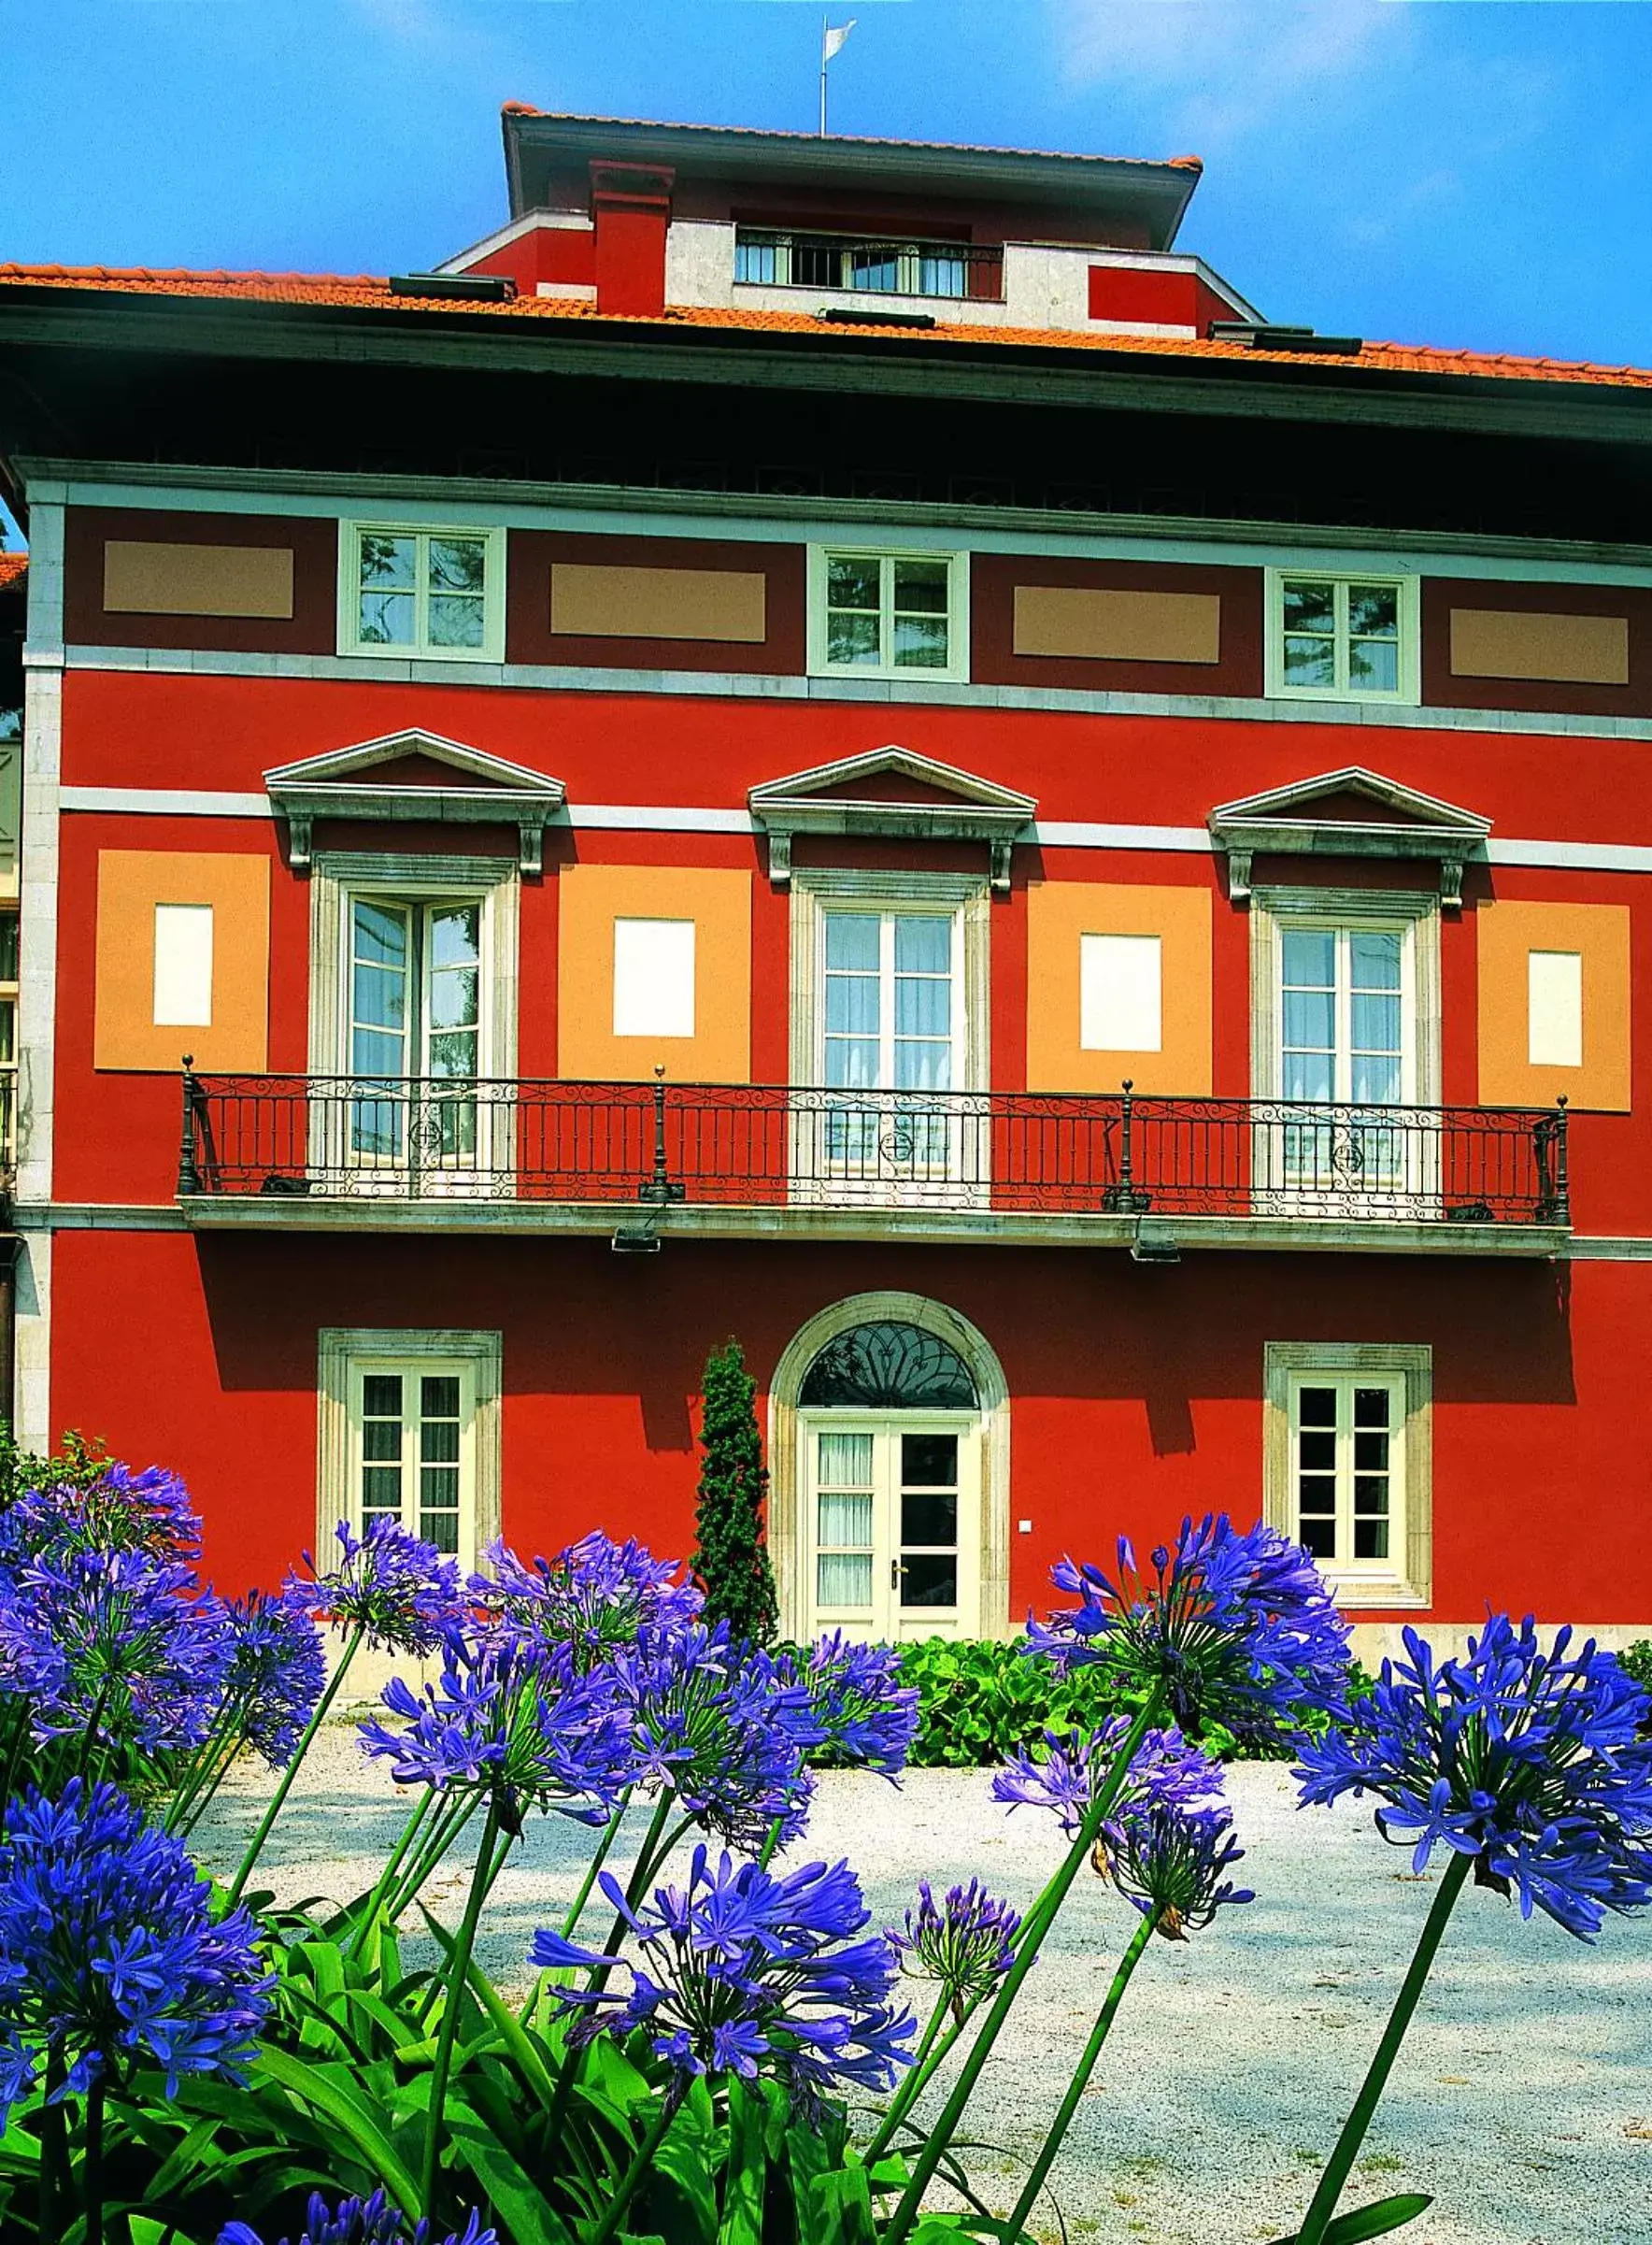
x=406, y=590
x=773, y=258
x=1342, y=639
x=886, y=615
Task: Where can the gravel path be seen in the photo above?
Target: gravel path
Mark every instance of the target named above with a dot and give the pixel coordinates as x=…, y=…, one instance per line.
x=1522, y=2099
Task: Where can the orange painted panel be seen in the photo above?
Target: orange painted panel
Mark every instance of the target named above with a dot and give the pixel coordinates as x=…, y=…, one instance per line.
x=1507, y=933
x=590, y=899
x=131, y=883
x=1060, y=914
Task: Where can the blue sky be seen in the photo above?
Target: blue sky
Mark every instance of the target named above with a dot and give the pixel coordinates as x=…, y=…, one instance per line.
x=1468, y=172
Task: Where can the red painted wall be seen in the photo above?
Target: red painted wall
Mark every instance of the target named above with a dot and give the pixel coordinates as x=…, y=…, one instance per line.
x=1135, y=1391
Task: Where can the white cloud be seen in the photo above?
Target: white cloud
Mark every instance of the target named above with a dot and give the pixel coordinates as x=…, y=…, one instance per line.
x=1217, y=69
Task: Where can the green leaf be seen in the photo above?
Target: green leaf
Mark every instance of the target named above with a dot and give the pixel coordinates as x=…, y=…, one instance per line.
x=322, y=2089
x=146, y=2230
x=529, y=2216
x=1374, y=2221
x=191, y=2154
x=747, y=2167
x=840, y=2206
x=687, y=2163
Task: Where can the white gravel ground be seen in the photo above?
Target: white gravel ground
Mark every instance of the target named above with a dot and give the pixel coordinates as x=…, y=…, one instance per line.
x=1522, y=2100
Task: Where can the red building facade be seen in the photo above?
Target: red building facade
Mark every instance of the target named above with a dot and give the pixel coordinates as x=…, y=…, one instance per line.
x=836, y=743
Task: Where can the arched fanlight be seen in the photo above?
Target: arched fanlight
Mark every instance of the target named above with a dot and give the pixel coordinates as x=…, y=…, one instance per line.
x=889, y=1366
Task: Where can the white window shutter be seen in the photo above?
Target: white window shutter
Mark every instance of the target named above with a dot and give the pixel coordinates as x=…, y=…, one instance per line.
x=653, y=977
x=1120, y=997
x=1554, y=1009
x=183, y=966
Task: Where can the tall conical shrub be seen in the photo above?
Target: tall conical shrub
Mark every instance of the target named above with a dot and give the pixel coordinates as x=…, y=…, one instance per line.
x=731, y=1560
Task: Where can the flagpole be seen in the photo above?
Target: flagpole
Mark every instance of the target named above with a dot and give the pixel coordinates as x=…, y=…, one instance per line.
x=823, y=25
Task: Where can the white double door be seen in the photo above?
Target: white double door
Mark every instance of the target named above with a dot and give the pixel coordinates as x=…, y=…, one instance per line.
x=893, y=1511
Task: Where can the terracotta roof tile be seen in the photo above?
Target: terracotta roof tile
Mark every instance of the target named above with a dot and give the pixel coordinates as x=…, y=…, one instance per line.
x=365, y=292
x=13, y=567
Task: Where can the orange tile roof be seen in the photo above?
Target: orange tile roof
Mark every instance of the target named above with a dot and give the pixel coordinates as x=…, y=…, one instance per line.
x=12, y=568
x=365, y=292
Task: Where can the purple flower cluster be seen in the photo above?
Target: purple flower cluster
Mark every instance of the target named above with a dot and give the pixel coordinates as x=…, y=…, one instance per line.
x=1236, y=1629
x=361, y=2221
x=109, y=1953
x=742, y=1971
x=721, y=1727
x=1169, y=1861
x=276, y=1671
x=1533, y=1761
x=594, y=1597
x=861, y=1714
x=399, y=1590
x=1073, y=1766
x=120, y=1511
x=964, y=1944
x=109, y=1644
x=516, y=1721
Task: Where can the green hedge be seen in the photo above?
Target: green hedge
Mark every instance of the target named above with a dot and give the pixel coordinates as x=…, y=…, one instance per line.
x=1637, y=1659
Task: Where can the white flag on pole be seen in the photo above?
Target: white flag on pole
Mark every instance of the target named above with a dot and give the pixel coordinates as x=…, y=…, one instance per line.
x=834, y=37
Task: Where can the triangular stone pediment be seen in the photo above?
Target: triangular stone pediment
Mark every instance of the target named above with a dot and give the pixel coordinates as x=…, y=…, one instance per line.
x=411, y=759
x=890, y=791
x=1348, y=813
x=413, y=775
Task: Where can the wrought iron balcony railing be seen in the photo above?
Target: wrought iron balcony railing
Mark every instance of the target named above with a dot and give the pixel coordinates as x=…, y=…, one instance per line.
x=767, y=1146
x=875, y=265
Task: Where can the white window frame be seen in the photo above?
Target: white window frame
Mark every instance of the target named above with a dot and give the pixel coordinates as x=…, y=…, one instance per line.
x=1408, y=693
x=419, y=649
x=1406, y=1578
x=956, y=667
x=343, y=1354
x=885, y=1619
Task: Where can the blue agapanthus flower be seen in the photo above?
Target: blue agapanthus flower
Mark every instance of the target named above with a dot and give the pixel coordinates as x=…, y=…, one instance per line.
x=593, y=1598
x=110, y=1955
x=1072, y=1767
x=362, y=2222
x=1238, y=1629
x=1534, y=1762
x=120, y=1511
x=398, y=1590
x=746, y=1971
x=964, y=1944
x=718, y=1727
x=278, y=1670
x=860, y=1716
x=1171, y=1862
x=112, y=1644
x=515, y=1721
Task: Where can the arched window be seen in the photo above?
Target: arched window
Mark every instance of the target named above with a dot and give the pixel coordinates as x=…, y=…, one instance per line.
x=889, y=1366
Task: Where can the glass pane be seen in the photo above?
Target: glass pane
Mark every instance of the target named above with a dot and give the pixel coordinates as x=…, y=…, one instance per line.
x=940, y=277
x=381, y=999
x=382, y=1489
x=920, y=586
x=457, y=564
x=1305, y=1075
x=843, y=1582
x=381, y=935
x=852, y=581
x=1373, y=610
x=852, y=639
x=1317, y=1538
x=1371, y=1453
x=923, y=1008
x=1375, y=1081
x=1316, y=1450
x=929, y=1519
x=453, y=998
x=851, y=1005
x=1373, y=666
x=452, y=1055
x=930, y=1579
x=920, y=642
x=923, y=944
x=1376, y=1021
x=455, y=934
x=929, y=1462
x=843, y=1520
x=1317, y=1493
x=1316, y=1407
x=438, y=1396
x=381, y=1396
x=1371, y=1494
x=852, y=941
x=1308, y=956
x=852, y=1063
x=1374, y=959
x=1370, y=1406
x=1310, y=1020
x=440, y=1526
x=817, y=265
x=843, y=1461
x=922, y=1065
x=1310, y=661
x=382, y=1441
x=874, y=268
x=385, y=619
x=889, y=1366
x=456, y=620
x=1309, y=606
x=388, y=562
x=1370, y=1539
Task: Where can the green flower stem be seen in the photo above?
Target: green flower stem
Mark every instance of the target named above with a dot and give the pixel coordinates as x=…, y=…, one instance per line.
x=1340, y=2165
x=1081, y=2073
x=770, y=1845
x=392, y=1864
x=207, y=1771
x=266, y=1823
x=1039, y=1921
x=642, y=2160
x=13, y=1755
x=457, y=1973
x=89, y=1743
x=576, y=1908
x=918, y=2073
x=447, y=1823
x=641, y=1872
x=54, y=2152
